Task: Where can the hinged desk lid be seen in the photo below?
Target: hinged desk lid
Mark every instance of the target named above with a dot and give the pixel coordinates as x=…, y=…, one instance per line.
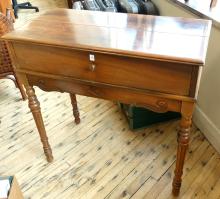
x=152, y=37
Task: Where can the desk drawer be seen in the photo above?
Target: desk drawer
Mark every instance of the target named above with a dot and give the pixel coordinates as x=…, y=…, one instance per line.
x=109, y=69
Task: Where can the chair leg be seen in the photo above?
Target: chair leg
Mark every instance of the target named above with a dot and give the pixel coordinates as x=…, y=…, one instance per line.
x=70, y=3
x=75, y=108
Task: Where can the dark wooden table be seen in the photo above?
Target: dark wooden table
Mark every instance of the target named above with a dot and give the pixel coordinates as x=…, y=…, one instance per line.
x=148, y=61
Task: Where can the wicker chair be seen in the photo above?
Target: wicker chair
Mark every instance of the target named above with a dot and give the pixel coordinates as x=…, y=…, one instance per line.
x=6, y=68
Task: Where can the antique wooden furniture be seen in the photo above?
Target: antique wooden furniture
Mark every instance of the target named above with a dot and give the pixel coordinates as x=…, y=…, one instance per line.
x=6, y=69
x=148, y=61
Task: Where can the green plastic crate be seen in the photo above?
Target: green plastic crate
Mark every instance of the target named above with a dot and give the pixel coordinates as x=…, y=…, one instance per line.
x=140, y=117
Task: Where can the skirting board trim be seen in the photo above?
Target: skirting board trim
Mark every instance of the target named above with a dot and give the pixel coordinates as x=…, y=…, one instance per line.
x=207, y=127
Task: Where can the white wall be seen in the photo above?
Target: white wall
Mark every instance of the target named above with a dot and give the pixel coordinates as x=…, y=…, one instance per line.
x=207, y=112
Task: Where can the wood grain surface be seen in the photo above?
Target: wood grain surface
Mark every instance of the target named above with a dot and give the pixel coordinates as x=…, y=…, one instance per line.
x=109, y=69
x=166, y=38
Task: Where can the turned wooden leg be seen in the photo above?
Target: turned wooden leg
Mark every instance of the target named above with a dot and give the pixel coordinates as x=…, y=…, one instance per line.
x=75, y=108
x=18, y=85
x=183, y=141
x=21, y=88
x=34, y=106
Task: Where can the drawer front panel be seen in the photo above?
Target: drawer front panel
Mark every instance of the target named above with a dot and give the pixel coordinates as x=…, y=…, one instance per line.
x=108, y=69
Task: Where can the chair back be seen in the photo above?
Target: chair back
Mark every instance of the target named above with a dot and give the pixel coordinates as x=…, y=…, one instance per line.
x=6, y=25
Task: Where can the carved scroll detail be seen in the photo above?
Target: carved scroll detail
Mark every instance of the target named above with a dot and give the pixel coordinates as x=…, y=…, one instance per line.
x=160, y=106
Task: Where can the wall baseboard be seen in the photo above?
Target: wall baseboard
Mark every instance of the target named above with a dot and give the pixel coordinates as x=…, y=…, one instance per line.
x=207, y=127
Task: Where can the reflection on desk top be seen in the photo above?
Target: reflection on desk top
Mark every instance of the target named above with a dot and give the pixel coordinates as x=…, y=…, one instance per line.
x=151, y=37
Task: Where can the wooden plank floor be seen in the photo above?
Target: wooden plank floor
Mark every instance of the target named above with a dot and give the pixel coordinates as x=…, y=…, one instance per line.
x=101, y=157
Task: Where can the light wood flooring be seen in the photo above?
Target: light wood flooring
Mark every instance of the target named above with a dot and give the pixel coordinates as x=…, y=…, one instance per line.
x=100, y=157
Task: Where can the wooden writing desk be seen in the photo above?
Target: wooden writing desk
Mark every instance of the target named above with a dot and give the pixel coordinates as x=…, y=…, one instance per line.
x=148, y=61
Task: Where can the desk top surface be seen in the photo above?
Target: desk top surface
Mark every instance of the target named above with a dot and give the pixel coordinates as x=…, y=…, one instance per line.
x=164, y=38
